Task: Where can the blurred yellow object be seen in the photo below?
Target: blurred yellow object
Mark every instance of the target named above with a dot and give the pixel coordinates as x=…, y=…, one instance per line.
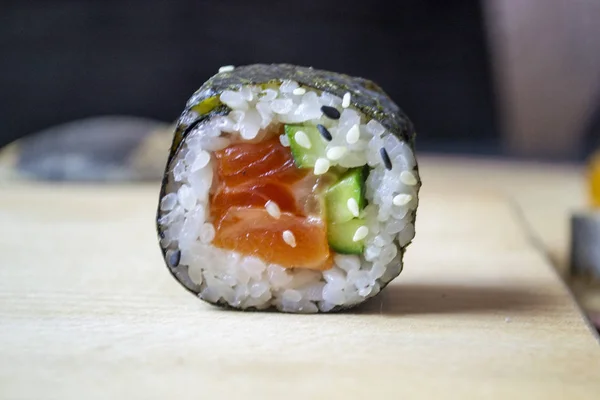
x=594, y=180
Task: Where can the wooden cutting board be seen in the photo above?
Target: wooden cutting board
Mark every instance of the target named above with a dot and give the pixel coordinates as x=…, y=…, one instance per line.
x=87, y=310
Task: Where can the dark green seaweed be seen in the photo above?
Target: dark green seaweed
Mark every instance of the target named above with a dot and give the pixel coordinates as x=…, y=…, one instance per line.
x=367, y=97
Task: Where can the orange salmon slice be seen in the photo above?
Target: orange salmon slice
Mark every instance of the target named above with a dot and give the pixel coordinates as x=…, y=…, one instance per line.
x=267, y=160
x=254, y=232
x=249, y=175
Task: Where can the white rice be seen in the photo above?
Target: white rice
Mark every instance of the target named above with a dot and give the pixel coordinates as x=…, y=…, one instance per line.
x=247, y=282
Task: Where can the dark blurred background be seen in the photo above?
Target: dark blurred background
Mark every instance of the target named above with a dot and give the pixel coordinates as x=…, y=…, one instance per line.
x=465, y=71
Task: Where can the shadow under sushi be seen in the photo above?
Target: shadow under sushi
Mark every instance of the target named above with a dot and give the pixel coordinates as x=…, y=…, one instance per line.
x=403, y=299
x=414, y=299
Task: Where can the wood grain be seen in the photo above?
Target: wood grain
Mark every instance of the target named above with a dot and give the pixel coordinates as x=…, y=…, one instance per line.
x=87, y=310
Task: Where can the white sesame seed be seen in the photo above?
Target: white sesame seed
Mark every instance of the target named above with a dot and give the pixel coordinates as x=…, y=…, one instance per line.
x=302, y=139
x=226, y=68
x=273, y=209
x=352, y=206
x=353, y=134
x=284, y=140
x=408, y=178
x=321, y=166
x=360, y=233
x=402, y=199
x=346, y=100
x=336, y=152
x=299, y=91
x=289, y=238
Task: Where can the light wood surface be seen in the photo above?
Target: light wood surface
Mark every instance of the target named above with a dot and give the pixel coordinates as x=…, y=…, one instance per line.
x=87, y=310
x=543, y=194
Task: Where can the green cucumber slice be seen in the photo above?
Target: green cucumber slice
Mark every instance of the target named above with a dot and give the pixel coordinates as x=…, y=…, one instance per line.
x=337, y=197
x=341, y=237
x=306, y=157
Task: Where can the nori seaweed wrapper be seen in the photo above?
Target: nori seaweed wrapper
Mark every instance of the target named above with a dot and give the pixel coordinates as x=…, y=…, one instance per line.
x=204, y=104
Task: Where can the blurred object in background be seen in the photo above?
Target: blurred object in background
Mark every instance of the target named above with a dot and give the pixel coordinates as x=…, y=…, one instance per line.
x=594, y=180
x=546, y=61
x=585, y=244
x=111, y=148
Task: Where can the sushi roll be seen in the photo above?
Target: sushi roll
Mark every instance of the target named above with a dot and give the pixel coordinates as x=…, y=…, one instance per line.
x=290, y=188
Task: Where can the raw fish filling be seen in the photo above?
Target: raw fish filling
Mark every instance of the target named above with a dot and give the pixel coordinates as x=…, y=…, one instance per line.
x=252, y=177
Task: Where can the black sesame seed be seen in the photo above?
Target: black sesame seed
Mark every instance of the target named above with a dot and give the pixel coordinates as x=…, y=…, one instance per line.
x=174, y=258
x=386, y=158
x=324, y=132
x=330, y=112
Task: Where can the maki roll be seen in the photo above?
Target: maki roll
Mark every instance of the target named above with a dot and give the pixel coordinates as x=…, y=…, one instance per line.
x=288, y=187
